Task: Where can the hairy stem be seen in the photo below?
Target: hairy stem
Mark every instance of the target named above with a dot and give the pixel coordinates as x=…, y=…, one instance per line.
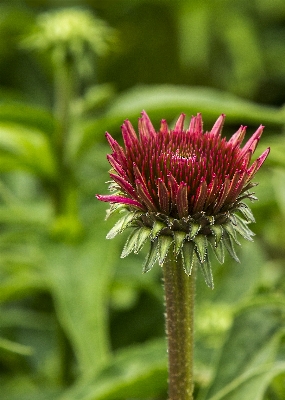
x=179, y=300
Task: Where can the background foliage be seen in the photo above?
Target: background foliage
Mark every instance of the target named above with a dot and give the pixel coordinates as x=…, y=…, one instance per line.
x=76, y=321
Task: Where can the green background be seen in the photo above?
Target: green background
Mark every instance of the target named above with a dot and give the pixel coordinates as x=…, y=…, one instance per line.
x=76, y=321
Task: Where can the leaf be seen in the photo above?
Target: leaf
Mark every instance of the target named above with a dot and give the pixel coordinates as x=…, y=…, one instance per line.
x=29, y=149
x=29, y=117
x=168, y=101
x=14, y=347
x=79, y=277
x=138, y=372
x=244, y=350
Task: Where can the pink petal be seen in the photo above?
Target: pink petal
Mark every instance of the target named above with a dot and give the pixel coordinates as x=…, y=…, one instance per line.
x=238, y=137
x=144, y=196
x=119, y=199
x=200, y=197
x=252, y=142
x=163, y=196
x=257, y=164
x=179, y=124
x=117, y=149
x=163, y=127
x=129, y=135
x=182, y=200
x=126, y=186
x=218, y=125
x=146, y=128
x=196, y=124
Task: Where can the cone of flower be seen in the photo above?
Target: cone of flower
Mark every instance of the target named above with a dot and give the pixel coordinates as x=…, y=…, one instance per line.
x=183, y=191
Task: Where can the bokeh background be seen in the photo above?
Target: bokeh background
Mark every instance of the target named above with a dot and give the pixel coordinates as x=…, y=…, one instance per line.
x=76, y=321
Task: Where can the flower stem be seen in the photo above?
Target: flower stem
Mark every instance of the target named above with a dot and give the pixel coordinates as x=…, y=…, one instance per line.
x=179, y=300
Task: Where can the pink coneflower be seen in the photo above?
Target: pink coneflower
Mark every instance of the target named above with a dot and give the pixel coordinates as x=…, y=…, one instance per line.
x=182, y=188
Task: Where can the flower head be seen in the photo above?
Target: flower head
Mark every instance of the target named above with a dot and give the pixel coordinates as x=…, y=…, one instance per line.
x=183, y=188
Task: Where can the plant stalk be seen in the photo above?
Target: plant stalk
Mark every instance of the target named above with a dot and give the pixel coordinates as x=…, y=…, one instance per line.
x=179, y=301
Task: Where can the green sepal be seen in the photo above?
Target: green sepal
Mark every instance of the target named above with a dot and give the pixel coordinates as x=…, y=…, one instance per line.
x=131, y=242
x=151, y=257
x=179, y=237
x=228, y=242
x=164, y=244
x=201, y=246
x=242, y=228
x=122, y=224
x=218, y=249
x=188, y=253
x=231, y=231
x=157, y=227
x=144, y=234
x=194, y=229
x=246, y=211
x=217, y=231
x=207, y=272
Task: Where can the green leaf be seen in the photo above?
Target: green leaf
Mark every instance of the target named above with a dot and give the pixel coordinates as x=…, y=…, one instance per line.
x=246, y=353
x=162, y=100
x=188, y=254
x=157, y=227
x=142, y=238
x=207, y=272
x=14, y=347
x=152, y=256
x=228, y=242
x=201, y=246
x=218, y=249
x=179, y=237
x=121, y=225
x=29, y=117
x=29, y=149
x=79, y=278
x=138, y=372
x=164, y=244
x=131, y=243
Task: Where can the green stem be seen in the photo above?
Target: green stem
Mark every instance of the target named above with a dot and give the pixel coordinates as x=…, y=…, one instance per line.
x=179, y=300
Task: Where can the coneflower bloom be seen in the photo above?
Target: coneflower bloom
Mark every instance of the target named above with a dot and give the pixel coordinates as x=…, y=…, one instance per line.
x=182, y=189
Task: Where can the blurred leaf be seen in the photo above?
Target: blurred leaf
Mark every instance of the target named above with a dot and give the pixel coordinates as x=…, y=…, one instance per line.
x=14, y=347
x=28, y=116
x=172, y=100
x=79, y=278
x=138, y=372
x=250, y=348
x=168, y=101
x=26, y=149
x=251, y=385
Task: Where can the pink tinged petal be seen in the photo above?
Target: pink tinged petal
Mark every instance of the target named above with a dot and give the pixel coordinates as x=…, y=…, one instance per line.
x=179, y=124
x=218, y=125
x=163, y=196
x=234, y=186
x=257, y=164
x=238, y=137
x=212, y=191
x=126, y=186
x=120, y=199
x=129, y=135
x=144, y=196
x=200, y=197
x=252, y=142
x=163, y=127
x=117, y=149
x=223, y=195
x=146, y=128
x=117, y=167
x=173, y=188
x=196, y=124
x=182, y=200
